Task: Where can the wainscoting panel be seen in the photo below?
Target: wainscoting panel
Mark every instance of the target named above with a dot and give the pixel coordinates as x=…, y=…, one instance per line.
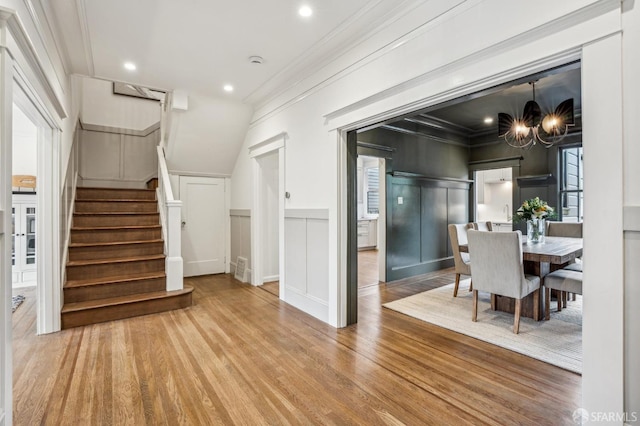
x=295, y=254
x=116, y=158
x=306, y=260
x=318, y=259
x=99, y=155
x=240, y=237
x=419, y=210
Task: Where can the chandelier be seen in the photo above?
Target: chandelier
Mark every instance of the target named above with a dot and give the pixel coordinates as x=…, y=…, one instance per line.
x=531, y=128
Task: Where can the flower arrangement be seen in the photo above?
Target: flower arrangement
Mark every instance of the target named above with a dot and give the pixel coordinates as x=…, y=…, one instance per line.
x=534, y=208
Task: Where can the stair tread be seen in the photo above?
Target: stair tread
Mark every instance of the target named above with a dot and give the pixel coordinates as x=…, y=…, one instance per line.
x=113, y=279
x=111, y=228
x=115, y=200
x=104, y=188
x=115, y=260
x=123, y=300
x=113, y=213
x=114, y=243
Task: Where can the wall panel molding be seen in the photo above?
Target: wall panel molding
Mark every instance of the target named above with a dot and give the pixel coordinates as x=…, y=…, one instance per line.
x=306, y=262
x=119, y=130
x=631, y=218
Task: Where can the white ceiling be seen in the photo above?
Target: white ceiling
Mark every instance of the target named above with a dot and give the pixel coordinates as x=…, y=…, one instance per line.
x=201, y=45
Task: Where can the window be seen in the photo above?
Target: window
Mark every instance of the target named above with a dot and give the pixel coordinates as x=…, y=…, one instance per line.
x=373, y=193
x=571, y=190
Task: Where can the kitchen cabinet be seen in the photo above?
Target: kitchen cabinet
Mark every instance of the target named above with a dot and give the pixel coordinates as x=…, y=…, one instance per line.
x=23, y=237
x=367, y=233
x=497, y=175
x=502, y=226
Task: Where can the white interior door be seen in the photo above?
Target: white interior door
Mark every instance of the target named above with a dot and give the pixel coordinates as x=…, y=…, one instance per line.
x=203, y=225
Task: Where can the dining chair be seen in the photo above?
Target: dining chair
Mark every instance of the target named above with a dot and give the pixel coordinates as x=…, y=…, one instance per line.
x=564, y=229
x=570, y=230
x=563, y=281
x=481, y=226
x=458, y=236
x=497, y=268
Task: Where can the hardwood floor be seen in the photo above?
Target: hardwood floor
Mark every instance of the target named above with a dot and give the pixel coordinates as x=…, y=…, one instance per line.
x=368, y=268
x=241, y=356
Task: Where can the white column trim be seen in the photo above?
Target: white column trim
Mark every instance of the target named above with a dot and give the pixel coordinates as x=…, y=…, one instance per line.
x=603, y=312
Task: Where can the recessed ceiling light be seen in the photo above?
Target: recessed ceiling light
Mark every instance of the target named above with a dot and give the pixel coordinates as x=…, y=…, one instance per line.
x=488, y=120
x=228, y=88
x=305, y=11
x=130, y=66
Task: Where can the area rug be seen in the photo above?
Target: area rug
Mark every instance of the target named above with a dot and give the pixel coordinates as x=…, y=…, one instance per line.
x=16, y=301
x=557, y=341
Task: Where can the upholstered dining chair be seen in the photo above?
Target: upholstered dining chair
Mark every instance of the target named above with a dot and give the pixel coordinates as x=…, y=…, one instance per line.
x=482, y=226
x=458, y=236
x=564, y=229
x=497, y=268
x=563, y=281
x=570, y=230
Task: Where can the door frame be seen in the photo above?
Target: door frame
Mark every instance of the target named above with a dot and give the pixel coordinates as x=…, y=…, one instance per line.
x=48, y=287
x=22, y=71
x=268, y=146
x=603, y=180
x=224, y=224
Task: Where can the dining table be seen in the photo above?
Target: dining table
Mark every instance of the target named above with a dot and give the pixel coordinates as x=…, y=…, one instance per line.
x=539, y=259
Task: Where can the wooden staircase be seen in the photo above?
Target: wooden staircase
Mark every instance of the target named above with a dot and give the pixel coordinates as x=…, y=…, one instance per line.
x=116, y=261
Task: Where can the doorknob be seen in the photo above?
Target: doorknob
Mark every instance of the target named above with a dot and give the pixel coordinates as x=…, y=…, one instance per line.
x=183, y=223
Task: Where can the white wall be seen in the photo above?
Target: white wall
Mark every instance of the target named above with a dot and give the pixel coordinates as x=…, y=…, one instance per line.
x=424, y=58
x=206, y=139
x=25, y=139
x=114, y=159
x=496, y=197
x=100, y=106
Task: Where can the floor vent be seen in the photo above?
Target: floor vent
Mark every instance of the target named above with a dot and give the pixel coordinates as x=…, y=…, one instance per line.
x=241, y=269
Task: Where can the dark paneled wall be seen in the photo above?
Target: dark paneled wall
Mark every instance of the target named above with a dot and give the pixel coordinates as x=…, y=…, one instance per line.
x=417, y=227
x=535, y=161
x=421, y=154
x=417, y=237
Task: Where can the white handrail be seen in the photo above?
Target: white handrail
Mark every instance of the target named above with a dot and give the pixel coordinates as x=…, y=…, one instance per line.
x=163, y=175
x=170, y=218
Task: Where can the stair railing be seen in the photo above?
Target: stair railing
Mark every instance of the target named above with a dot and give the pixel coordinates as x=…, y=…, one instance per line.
x=170, y=218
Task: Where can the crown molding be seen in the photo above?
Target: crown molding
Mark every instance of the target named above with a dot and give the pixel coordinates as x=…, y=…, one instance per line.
x=27, y=51
x=58, y=40
x=576, y=17
x=303, y=68
x=86, y=35
x=310, y=61
x=40, y=25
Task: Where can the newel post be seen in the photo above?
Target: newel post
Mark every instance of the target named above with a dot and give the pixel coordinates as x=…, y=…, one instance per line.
x=174, y=255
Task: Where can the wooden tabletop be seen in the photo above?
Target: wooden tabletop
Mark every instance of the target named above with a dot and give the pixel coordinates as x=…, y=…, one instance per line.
x=555, y=250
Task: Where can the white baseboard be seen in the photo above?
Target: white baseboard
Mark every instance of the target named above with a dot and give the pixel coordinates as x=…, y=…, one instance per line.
x=270, y=278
